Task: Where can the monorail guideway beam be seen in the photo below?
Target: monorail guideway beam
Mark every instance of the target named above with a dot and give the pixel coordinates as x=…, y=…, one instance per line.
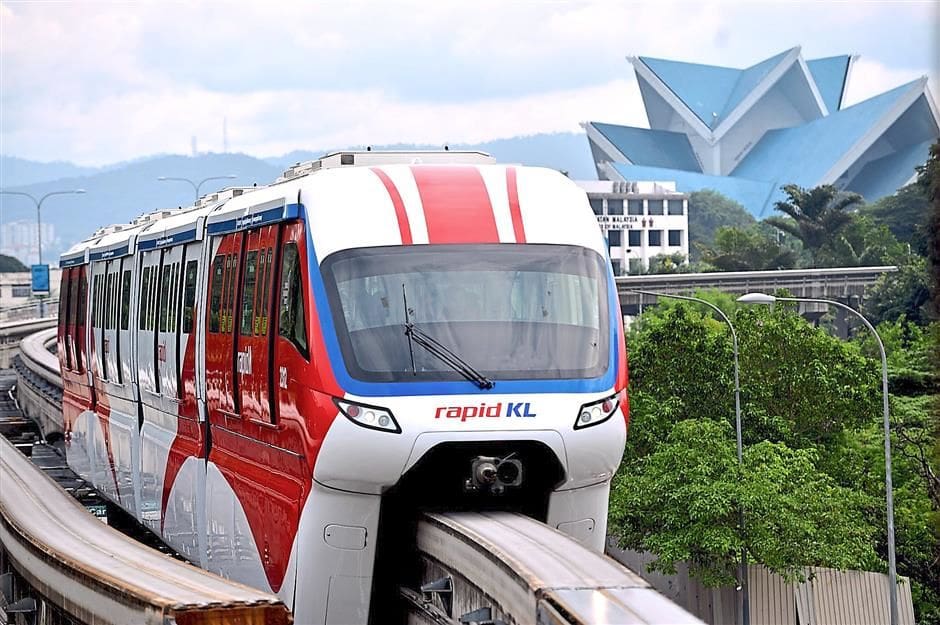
x=497, y=568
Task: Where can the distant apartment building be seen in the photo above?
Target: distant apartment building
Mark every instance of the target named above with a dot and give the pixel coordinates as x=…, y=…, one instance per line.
x=640, y=220
x=18, y=239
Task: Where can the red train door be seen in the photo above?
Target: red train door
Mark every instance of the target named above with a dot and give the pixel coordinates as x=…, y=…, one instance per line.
x=291, y=350
x=253, y=364
x=220, y=326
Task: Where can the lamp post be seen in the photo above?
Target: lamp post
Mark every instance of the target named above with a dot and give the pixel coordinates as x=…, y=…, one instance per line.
x=742, y=573
x=38, y=204
x=197, y=185
x=763, y=298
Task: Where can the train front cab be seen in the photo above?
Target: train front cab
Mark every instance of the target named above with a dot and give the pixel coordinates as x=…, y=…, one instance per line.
x=412, y=433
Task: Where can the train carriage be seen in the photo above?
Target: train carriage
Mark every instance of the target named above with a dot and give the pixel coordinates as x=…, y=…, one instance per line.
x=281, y=375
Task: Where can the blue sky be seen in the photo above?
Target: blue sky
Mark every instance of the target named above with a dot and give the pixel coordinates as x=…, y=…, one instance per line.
x=99, y=82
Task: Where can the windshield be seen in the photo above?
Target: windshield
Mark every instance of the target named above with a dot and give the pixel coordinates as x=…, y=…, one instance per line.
x=510, y=311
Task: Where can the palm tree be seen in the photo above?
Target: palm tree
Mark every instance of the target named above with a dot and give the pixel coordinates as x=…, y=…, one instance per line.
x=817, y=215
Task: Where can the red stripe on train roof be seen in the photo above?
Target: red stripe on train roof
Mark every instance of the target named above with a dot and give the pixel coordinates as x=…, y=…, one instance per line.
x=512, y=189
x=457, y=206
x=403, y=226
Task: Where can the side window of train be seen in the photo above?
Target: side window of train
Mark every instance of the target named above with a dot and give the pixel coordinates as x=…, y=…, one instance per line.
x=164, y=296
x=248, y=293
x=142, y=300
x=125, y=299
x=82, y=297
x=189, y=297
x=82, y=305
x=292, y=323
x=215, y=296
x=109, y=289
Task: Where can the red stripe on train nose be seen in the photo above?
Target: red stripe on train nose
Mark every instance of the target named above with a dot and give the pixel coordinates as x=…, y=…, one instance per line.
x=457, y=206
x=403, y=225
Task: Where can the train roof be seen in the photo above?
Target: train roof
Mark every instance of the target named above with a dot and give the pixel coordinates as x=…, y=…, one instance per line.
x=361, y=187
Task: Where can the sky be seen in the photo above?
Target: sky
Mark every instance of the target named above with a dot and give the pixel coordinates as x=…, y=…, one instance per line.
x=100, y=82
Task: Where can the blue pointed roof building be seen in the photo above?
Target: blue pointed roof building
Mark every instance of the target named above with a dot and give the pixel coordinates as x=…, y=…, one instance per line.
x=746, y=132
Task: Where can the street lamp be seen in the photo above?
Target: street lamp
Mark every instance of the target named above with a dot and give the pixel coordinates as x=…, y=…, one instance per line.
x=742, y=574
x=763, y=298
x=196, y=186
x=38, y=204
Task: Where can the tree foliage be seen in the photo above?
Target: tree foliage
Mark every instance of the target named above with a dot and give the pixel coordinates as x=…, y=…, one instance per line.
x=928, y=179
x=812, y=484
x=708, y=211
x=815, y=216
x=905, y=214
x=747, y=249
x=905, y=293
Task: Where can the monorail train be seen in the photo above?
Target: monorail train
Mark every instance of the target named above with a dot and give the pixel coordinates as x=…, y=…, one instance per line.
x=271, y=379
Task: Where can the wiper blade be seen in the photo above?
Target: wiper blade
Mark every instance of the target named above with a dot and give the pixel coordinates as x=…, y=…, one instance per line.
x=442, y=353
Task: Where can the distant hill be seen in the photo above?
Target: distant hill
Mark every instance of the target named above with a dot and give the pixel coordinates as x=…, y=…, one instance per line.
x=121, y=194
x=118, y=193
x=17, y=172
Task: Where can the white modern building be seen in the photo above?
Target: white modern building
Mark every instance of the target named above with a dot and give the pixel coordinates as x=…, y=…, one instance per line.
x=640, y=220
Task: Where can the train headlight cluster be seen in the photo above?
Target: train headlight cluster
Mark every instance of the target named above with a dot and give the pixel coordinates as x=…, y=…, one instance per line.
x=364, y=415
x=596, y=412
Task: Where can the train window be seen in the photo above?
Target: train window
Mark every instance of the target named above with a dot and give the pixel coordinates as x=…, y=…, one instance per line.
x=164, y=296
x=228, y=306
x=266, y=298
x=125, y=299
x=82, y=297
x=142, y=304
x=248, y=293
x=215, y=296
x=63, y=296
x=259, y=292
x=73, y=301
x=292, y=323
x=107, y=301
x=65, y=320
x=174, y=298
x=226, y=278
x=94, y=302
x=189, y=298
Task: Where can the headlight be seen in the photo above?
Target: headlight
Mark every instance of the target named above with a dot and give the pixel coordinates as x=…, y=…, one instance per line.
x=597, y=411
x=372, y=417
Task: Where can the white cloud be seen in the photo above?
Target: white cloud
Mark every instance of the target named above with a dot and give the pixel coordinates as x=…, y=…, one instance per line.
x=276, y=122
x=868, y=78
x=98, y=82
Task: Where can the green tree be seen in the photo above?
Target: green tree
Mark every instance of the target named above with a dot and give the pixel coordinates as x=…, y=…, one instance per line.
x=747, y=249
x=812, y=483
x=928, y=179
x=708, y=211
x=10, y=264
x=815, y=216
x=681, y=503
x=905, y=293
x=863, y=242
x=905, y=214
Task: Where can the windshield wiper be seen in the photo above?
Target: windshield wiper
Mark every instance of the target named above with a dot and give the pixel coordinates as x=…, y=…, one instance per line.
x=442, y=353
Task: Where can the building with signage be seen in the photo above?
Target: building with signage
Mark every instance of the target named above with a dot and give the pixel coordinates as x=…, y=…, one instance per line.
x=747, y=132
x=640, y=220
x=16, y=292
